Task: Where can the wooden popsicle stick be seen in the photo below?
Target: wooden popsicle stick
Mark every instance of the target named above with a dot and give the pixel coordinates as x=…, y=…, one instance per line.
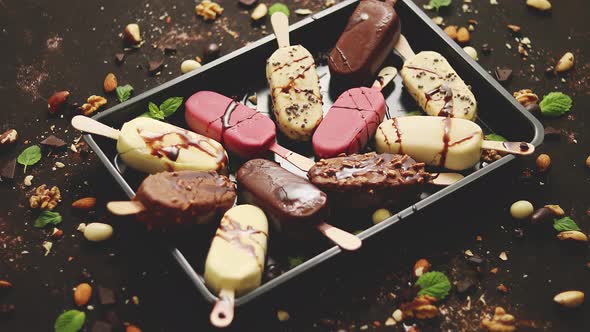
x=519, y=148
x=125, y=208
x=385, y=76
x=280, y=25
x=445, y=179
x=84, y=123
x=342, y=238
x=403, y=48
x=299, y=161
x=223, y=311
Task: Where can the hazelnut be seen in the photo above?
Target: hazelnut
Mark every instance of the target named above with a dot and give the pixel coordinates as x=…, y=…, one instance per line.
x=565, y=63
x=570, y=299
x=451, y=30
x=543, y=162
x=132, y=33
x=463, y=35
x=110, y=83
x=521, y=209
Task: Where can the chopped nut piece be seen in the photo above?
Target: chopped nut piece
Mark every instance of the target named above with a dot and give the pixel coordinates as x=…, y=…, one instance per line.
x=47, y=246
x=513, y=28
x=526, y=97
x=451, y=30
x=570, y=299
x=502, y=288
x=303, y=11
x=208, y=10
x=59, y=164
x=565, y=63
x=503, y=256
x=282, y=315
x=93, y=104
x=56, y=233
x=501, y=322
x=132, y=34
x=46, y=199
x=28, y=180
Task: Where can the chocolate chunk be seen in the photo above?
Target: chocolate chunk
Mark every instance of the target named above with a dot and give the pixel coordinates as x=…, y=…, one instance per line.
x=53, y=142
x=100, y=326
x=8, y=170
x=169, y=49
x=211, y=52
x=551, y=132
x=465, y=285
x=112, y=317
x=503, y=74
x=486, y=49
x=119, y=58
x=247, y=3
x=7, y=309
x=155, y=65
x=475, y=259
x=106, y=296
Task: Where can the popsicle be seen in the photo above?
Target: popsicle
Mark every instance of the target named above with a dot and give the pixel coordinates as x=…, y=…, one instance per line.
x=293, y=204
x=451, y=143
x=179, y=198
x=235, y=261
x=435, y=85
x=153, y=146
x=294, y=85
x=240, y=129
x=368, y=38
x=353, y=119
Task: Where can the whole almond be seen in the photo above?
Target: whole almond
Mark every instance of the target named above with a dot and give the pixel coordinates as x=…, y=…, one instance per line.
x=570, y=299
x=451, y=30
x=85, y=203
x=110, y=83
x=573, y=235
x=542, y=5
x=422, y=266
x=543, y=162
x=5, y=284
x=565, y=63
x=132, y=328
x=8, y=138
x=82, y=294
x=132, y=33
x=463, y=35
x=56, y=101
x=259, y=12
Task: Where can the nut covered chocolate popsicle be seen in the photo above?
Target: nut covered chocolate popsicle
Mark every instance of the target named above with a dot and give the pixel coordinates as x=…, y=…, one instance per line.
x=367, y=40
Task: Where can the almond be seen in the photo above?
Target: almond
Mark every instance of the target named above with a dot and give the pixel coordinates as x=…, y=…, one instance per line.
x=451, y=30
x=82, y=294
x=570, y=299
x=5, y=284
x=463, y=35
x=110, y=83
x=85, y=203
x=132, y=328
x=132, y=33
x=422, y=266
x=56, y=101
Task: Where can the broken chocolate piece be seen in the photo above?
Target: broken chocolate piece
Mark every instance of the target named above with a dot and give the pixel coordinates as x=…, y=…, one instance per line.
x=119, y=58
x=475, y=259
x=8, y=170
x=112, y=317
x=100, y=326
x=53, y=142
x=503, y=74
x=155, y=65
x=551, y=132
x=106, y=296
x=464, y=285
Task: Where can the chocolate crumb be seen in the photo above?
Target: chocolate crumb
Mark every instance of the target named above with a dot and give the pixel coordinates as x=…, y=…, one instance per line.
x=8, y=170
x=503, y=74
x=119, y=58
x=106, y=296
x=53, y=141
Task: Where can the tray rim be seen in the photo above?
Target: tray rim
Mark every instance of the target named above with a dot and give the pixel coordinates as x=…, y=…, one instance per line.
x=335, y=250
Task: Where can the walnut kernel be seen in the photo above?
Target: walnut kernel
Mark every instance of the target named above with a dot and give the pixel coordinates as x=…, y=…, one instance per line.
x=46, y=199
x=92, y=104
x=208, y=10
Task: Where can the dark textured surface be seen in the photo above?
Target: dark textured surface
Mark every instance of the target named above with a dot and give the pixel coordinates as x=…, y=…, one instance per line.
x=52, y=46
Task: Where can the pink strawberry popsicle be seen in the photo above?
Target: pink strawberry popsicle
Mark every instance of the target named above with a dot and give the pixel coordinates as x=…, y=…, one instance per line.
x=240, y=129
x=352, y=120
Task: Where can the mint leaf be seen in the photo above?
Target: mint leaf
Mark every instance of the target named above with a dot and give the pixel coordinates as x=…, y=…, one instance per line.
x=70, y=321
x=294, y=261
x=124, y=92
x=155, y=111
x=495, y=137
x=565, y=224
x=435, y=284
x=29, y=156
x=436, y=4
x=278, y=7
x=47, y=218
x=170, y=105
x=555, y=104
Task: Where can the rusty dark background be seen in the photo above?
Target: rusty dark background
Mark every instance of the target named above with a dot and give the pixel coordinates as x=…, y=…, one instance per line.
x=70, y=45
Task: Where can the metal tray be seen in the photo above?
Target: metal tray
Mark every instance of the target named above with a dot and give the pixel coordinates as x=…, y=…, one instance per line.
x=242, y=72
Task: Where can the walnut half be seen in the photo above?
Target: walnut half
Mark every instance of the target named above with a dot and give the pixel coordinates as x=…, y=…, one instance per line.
x=208, y=10
x=501, y=322
x=46, y=199
x=92, y=104
x=421, y=307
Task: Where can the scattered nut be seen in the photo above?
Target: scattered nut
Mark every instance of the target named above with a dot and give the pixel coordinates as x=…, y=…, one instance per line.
x=81, y=227
x=46, y=199
x=110, y=83
x=463, y=35
x=5, y=284
x=398, y=315
x=565, y=63
x=572, y=235
x=570, y=299
x=390, y=321
x=259, y=12
x=282, y=315
x=502, y=288
x=503, y=256
x=56, y=233
x=422, y=266
x=303, y=11
x=97, y=232
x=380, y=214
x=543, y=162
x=438, y=20
x=421, y=308
x=132, y=33
x=189, y=65
x=85, y=203
x=132, y=328
x=521, y=209
x=451, y=30
x=8, y=138
x=501, y=322
x=513, y=28
x=526, y=97
x=548, y=212
x=472, y=52
x=47, y=245
x=56, y=101
x=28, y=180
x=82, y=294
x=92, y=105
x=542, y=5
x=208, y=10
x=588, y=162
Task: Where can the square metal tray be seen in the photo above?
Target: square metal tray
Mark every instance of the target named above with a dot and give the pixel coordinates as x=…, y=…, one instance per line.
x=243, y=72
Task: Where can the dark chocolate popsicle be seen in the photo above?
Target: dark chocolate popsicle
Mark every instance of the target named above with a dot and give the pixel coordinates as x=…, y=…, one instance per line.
x=369, y=37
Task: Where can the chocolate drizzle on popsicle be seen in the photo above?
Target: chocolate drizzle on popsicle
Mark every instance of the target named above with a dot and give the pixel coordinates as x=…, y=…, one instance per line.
x=447, y=109
x=233, y=232
x=447, y=140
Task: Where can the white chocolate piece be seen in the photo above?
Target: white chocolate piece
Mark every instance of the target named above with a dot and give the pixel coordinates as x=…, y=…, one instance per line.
x=446, y=142
x=236, y=257
x=295, y=91
x=432, y=82
x=154, y=146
